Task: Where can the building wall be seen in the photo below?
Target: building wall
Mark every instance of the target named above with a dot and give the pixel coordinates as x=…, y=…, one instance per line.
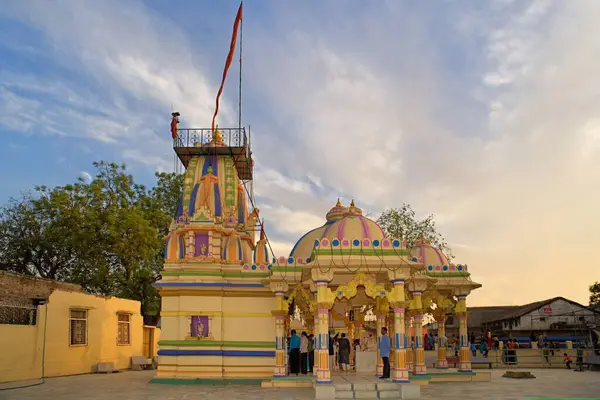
x=21, y=346
x=20, y=352
x=555, y=312
x=240, y=342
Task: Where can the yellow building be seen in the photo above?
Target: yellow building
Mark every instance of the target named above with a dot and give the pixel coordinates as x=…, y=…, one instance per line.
x=49, y=329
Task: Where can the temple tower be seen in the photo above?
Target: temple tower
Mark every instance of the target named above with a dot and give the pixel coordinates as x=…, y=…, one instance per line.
x=216, y=311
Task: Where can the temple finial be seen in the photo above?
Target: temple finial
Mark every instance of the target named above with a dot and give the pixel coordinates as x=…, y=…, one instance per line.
x=352, y=203
x=338, y=204
x=217, y=137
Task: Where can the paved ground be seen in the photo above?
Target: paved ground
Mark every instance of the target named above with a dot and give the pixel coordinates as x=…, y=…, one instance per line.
x=134, y=386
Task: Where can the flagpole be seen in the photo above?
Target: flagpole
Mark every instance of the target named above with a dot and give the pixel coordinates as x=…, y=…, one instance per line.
x=240, y=84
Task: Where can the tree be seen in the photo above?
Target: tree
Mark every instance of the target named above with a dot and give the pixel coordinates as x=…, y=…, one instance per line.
x=595, y=296
x=402, y=224
x=105, y=235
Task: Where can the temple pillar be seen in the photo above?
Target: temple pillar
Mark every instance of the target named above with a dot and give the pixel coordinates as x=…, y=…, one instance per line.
x=408, y=344
x=419, y=367
x=399, y=371
x=280, y=313
x=324, y=302
x=392, y=333
x=464, y=364
x=441, y=362
x=380, y=326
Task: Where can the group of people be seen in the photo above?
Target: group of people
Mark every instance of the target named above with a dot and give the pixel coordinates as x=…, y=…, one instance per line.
x=301, y=353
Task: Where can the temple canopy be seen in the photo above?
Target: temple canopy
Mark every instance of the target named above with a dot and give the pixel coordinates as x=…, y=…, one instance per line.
x=348, y=266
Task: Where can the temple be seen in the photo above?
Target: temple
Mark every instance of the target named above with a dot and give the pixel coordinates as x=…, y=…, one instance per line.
x=226, y=299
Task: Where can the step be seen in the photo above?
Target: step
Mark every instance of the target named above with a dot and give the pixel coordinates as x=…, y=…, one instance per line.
x=389, y=394
x=359, y=387
x=361, y=394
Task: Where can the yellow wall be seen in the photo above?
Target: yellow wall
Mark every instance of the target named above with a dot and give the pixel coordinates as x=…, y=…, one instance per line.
x=240, y=322
x=21, y=346
x=20, y=353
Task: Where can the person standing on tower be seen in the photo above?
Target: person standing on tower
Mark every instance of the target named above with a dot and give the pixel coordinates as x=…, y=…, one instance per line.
x=174, y=123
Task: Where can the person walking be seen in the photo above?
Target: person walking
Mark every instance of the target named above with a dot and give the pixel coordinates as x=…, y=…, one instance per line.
x=344, y=352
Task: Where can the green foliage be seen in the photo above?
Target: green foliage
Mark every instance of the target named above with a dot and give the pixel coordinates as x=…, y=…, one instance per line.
x=402, y=224
x=105, y=235
x=595, y=296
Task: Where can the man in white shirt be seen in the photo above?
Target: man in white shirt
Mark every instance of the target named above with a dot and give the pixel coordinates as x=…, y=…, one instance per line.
x=304, y=353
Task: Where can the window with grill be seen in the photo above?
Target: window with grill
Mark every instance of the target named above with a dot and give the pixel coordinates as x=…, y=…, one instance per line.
x=123, y=336
x=78, y=327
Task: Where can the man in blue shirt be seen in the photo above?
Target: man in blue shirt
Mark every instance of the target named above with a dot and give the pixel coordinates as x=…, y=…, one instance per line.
x=385, y=344
x=294, y=351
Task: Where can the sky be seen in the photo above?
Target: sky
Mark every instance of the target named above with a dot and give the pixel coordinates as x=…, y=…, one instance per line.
x=485, y=114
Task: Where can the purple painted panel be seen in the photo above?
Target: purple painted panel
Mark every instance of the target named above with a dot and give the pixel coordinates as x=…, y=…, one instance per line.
x=201, y=244
x=199, y=326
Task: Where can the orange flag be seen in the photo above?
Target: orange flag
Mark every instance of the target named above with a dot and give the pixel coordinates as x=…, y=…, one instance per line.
x=236, y=26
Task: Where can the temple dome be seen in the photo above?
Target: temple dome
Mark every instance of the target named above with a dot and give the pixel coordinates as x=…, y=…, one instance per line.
x=432, y=258
x=342, y=222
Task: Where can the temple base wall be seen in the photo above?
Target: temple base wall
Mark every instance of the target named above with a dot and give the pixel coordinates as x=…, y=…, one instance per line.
x=239, y=345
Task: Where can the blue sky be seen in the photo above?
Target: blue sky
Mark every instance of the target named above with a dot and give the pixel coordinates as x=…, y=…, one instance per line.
x=482, y=113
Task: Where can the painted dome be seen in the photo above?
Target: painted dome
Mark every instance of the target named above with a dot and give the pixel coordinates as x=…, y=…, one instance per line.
x=232, y=249
x=342, y=222
x=260, y=255
x=175, y=248
x=337, y=212
x=432, y=258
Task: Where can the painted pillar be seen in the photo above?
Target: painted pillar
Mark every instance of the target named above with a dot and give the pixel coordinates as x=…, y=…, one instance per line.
x=392, y=334
x=322, y=330
x=280, y=314
x=408, y=345
x=464, y=364
x=419, y=367
x=314, y=332
x=399, y=371
x=380, y=325
x=441, y=361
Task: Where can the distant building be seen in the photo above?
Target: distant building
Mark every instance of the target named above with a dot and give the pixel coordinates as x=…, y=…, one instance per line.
x=558, y=318
x=60, y=329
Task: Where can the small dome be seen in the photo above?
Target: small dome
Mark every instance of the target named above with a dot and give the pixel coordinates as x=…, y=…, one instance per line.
x=260, y=255
x=175, y=248
x=433, y=259
x=336, y=212
x=352, y=225
x=232, y=249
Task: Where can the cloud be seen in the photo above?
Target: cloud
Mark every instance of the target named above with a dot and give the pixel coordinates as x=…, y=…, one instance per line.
x=485, y=115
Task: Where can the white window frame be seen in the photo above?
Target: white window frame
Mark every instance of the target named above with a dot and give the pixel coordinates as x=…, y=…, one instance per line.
x=128, y=324
x=85, y=333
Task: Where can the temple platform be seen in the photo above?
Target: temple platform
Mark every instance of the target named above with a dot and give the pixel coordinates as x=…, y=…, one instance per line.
x=353, y=378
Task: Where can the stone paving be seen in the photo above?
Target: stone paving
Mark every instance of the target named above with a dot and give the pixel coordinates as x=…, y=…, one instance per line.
x=131, y=385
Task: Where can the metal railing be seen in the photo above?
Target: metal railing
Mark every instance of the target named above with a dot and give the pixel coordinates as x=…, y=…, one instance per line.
x=231, y=137
x=533, y=358
x=17, y=313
